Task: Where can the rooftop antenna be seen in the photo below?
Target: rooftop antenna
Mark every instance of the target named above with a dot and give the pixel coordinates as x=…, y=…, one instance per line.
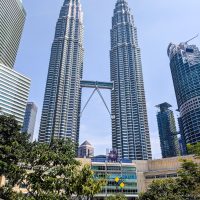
x=192, y=38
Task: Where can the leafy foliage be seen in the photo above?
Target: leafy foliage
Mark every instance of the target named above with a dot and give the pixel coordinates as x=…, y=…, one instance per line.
x=117, y=197
x=194, y=149
x=162, y=190
x=86, y=185
x=53, y=170
x=185, y=187
x=189, y=180
x=50, y=171
x=13, y=149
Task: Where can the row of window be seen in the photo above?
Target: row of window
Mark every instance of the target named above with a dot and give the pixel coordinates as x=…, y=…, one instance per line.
x=160, y=176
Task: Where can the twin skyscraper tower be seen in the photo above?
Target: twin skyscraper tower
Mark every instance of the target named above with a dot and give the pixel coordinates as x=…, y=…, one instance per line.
x=62, y=99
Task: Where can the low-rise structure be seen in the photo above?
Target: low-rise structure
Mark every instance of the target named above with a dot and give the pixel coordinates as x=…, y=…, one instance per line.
x=128, y=177
x=121, y=177
x=86, y=150
x=150, y=170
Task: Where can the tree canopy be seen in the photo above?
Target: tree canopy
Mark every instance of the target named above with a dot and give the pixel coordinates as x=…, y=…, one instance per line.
x=185, y=187
x=48, y=171
x=117, y=197
x=13, y=149
x=194, y=149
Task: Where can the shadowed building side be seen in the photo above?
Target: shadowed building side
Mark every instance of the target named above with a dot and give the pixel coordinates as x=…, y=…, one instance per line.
x=167, y=131
x=30, y=119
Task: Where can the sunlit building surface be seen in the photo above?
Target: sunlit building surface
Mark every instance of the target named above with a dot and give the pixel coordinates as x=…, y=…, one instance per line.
x=14, y=91
x=129, y=178
x=62, y=99
x=121, y=177
x=130, y=131
x=185, y=69
x=12, y=19
x=85, y=150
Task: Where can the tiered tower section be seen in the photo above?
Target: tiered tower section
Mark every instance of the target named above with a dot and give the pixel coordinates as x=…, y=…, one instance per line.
x=130, y=132
x=62, y=100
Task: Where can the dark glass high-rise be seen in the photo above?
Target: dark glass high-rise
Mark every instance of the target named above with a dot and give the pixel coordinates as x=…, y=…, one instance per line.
x=167, y=131
x=185, y=70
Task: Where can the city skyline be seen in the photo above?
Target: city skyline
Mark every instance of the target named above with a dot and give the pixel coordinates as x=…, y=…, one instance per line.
x=104, y=65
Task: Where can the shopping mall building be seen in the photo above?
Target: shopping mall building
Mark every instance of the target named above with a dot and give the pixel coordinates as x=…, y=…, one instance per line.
x=125, y=176
x=132, y=177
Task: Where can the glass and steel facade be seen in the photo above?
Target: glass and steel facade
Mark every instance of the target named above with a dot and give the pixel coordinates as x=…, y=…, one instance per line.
x=62, y=99
x=185, y=69
x=167, y=131
x=29, y=119
x=14, y=90
x=130, y=132
x=121, y=178
x=96, y=84
x=12, y=19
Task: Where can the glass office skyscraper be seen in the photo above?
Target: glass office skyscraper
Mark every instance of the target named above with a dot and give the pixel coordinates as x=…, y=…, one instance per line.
x=29, y=119
x=12, y=19
x=14, y=91
x=130, y=132
x=167, y=131
x=185, y=69
x=14, y=87
x=62, y=100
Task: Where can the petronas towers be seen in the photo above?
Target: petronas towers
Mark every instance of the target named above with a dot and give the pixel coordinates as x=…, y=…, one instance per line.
x=130, y=132
x=62, y=100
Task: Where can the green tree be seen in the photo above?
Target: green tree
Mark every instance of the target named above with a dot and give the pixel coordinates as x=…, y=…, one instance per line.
x=164, y=189
x=194, y=149
x=50, y=171
x=185, y=187
x=87, y=186
x=58, y=175
x=53, y=170
x=188, y=180
x=13, y=149
x=117, y=197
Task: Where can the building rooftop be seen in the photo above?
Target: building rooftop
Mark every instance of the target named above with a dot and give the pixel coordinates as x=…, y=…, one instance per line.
x=163, y=106
x=86, y=143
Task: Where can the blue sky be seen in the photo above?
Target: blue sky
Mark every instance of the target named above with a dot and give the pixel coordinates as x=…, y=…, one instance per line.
x=159, y=22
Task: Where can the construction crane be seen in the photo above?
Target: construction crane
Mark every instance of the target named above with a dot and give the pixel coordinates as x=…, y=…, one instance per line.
x=192, y=38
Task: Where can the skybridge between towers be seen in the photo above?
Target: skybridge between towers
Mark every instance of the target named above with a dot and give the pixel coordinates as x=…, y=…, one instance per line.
x=97, y=85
